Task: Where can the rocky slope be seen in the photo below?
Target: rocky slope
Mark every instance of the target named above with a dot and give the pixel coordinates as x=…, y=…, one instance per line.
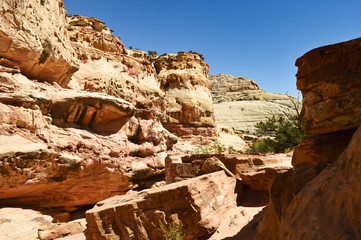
x=88, y=113
x=240, y=103
x=319, y=200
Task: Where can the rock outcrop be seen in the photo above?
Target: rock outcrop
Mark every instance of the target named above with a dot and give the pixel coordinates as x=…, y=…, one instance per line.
x=34, y=35
x=189, y=110
x=240, y=103
x=329, y=80
x=318, y=199
x=199, y=204
x=256, y=170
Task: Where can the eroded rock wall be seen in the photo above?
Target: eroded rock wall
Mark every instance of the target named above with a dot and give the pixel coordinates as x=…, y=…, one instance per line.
x=240, y=103
x=318, y=199
x=33, y=33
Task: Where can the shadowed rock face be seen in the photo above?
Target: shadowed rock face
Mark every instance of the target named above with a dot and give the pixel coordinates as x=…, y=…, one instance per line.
x=34, y=34
x=317, y=200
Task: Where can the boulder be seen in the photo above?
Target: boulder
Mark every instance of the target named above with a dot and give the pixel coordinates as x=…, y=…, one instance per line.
x=199, y=204
x=329, y=78
x=34, y=35
x=256, y=171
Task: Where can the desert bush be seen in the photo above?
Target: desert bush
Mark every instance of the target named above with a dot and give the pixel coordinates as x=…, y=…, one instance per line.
x=214, y=148
x=171, y=232
x=152, y=52
x=283, y=133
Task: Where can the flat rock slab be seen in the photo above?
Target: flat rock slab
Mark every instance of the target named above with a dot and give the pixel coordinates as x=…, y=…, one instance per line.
x=199, y=204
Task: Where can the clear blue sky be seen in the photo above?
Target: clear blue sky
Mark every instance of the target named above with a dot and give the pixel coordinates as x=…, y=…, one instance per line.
x=258, y=39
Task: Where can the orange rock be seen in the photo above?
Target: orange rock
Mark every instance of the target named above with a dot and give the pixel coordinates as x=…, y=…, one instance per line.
x=199, y=203
x=34, y=34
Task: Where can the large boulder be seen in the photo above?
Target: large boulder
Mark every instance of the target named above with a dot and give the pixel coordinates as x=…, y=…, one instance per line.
x=199, y=204
x=33, y=33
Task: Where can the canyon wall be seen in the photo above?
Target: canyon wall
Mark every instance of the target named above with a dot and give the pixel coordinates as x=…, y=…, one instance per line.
x=81, y=116
x=318, y=199
x=240, y=103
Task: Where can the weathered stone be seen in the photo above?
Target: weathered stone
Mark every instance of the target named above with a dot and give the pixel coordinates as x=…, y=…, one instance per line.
x=185, y=81
x=240, y=103
x=67, y=165
x=34, y=34
x=256, y=171
x=239, y=223
x=331, y=201
x=199, y=203
x=329, y=78
x=323, y=148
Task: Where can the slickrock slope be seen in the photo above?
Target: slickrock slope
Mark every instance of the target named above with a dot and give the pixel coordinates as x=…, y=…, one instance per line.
x=240, y=103
x=17, y=223
x=318, y=200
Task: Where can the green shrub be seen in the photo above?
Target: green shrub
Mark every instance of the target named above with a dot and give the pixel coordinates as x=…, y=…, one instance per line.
x=284, y=133
x=171, y=232
x=152, y=52
x=215, y=148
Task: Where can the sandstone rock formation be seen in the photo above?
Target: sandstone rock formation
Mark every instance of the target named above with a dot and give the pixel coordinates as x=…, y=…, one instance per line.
x=256, y=171
x=34, y=35
x=319, y=200
x=329, y=80
x=240, y=103
x=199, y=203
x=17, y=223
x=189, y=110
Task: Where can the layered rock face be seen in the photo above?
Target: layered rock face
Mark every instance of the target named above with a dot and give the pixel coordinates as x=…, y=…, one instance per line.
x=240, y=103
x=34, y=34
x=96, y=132
x=65, y=148
x=329, y=80
x=199, y=204
x=189, y=110
x=319, y=200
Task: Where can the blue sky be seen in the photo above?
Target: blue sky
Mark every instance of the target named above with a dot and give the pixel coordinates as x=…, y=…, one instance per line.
x=258, y=39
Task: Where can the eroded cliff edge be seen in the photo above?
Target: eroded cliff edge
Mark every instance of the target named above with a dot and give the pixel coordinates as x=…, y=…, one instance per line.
x=319, y=199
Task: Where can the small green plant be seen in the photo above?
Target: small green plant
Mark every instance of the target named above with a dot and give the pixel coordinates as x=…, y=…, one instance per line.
x=215, y=148
x=130, y=47
x=152, y=52
x=172, y=231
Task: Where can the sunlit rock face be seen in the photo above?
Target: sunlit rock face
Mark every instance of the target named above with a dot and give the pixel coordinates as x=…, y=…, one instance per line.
x=189, y=105
x=70, y=140
x=34, y=34
x=239, y=103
